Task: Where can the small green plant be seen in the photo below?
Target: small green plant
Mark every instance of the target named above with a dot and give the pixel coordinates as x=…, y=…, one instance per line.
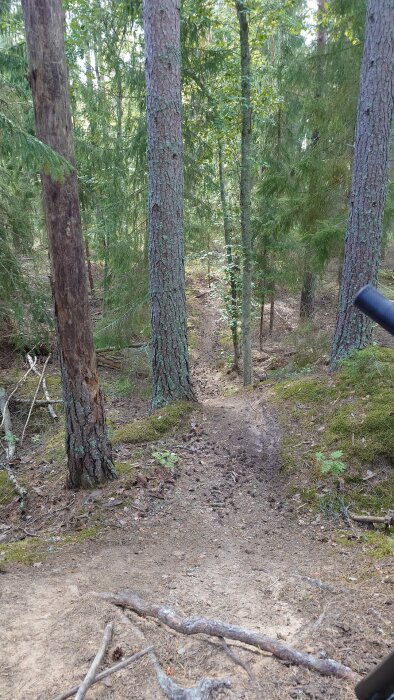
x=166, y=458
x=332, y=463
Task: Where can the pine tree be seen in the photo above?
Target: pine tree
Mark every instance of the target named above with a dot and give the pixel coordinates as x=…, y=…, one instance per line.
x=171, y=375
x=245, y=190
x=370, y=172
x=87, y=445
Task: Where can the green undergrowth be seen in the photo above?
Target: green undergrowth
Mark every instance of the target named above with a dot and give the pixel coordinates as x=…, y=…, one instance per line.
x=351, y=411
x=155, y=426
x=36, y=549
x=7, y=493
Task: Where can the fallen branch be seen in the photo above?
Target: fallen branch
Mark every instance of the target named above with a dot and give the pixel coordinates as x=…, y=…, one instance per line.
x=34, y=399
x=115, y=349
x=108, y=672
x=91, y=674
x=387, y=519
x=6, y=423
x=51, y=410
x=216, y=628
x=20, y=490
x=38, y=402
x=15, y=389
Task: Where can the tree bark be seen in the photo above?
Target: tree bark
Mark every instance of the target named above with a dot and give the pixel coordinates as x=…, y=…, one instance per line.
x=88, y=448
x=308, y=293
x=370, y=171
x=171, y=374
x=245, y=190
x=232, y=277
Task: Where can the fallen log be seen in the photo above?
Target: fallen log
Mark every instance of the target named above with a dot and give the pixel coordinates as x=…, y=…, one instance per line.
x=38, y=402
x=91, y=674
x=387, y=519
x=217, y=628
x=108, y=672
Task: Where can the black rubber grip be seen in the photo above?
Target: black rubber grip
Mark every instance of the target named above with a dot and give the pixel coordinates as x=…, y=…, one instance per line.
x=376, y=306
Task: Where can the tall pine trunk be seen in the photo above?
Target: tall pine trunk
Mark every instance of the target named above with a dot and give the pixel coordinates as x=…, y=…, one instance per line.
x=308, y=292
x=171, y=375
x=232, y=275
x=245, y=190
x=369, y=183
x=88, y=448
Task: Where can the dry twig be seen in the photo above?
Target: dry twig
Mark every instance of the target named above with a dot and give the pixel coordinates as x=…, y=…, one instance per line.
x=108, y=672
x=217, y=628
x=91, y=674
x=15, y=389
x=51, y=410
x=34, y=399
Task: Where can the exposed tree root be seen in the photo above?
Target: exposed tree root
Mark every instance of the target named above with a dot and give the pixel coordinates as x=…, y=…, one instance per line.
x=216, y=628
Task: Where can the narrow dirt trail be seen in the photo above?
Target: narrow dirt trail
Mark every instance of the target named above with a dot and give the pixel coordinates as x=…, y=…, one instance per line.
x=227, y=544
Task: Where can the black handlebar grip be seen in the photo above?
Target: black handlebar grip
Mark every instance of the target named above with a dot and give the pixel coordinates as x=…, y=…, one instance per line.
x=376, y=306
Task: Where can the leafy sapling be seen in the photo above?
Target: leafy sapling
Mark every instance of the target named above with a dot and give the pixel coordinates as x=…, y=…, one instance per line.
x=166, y=459
x=332, y=463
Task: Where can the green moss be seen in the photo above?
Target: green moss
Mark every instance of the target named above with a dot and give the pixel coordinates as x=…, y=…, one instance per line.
x=351, y=411
x=306, y=390
x=54, y=449
x=26, y=551
x=7, y=493
x=35, y=549
x=158, y=424
x=380, y=544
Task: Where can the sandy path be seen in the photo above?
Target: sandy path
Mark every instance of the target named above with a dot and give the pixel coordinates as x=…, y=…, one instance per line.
x=226, y=543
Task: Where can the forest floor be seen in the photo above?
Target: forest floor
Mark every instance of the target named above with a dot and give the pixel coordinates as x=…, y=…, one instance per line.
x=225, y=540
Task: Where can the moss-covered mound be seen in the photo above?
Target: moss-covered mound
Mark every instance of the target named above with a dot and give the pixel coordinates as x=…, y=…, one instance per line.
x=352, y=412
x=153, y=427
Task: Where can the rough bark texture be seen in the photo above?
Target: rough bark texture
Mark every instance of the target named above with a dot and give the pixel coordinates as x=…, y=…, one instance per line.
x=369, y=183
x=232, y=277
x=171, y=375
x=88, y=449
x=245, y=190
x=307, y=305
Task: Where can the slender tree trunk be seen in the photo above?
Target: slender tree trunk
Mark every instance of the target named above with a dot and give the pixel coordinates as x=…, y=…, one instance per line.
x=261, y=335
x=272, y=309
x=369, y=183
x=307, y=305
x=171, y=375
x=232, y=277
x=245, y=190
x=308, y=293
x=89, y=266
x=88, y=448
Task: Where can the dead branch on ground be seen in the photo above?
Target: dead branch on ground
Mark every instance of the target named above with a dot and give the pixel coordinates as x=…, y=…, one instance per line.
x=20, y=490
x=91, y=674
x=51, y=410
x=108, y=672
x=7, y=424
x=15, y=389
x=34, y=399
x=217, y=628
x=387, y=520
x=38, y=402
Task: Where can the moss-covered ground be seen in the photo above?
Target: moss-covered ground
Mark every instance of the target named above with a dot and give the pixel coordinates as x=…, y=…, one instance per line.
x=351, y=411
x=161, y=422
